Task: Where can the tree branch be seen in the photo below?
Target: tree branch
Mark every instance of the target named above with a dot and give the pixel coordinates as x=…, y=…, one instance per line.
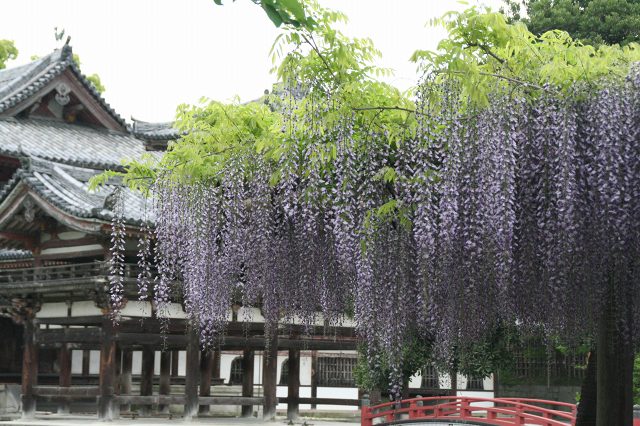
x=383, y=108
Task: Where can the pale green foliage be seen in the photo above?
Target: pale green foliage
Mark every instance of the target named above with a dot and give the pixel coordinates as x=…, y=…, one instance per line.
x=483, y=50
x=93, y=78
x=8, y=51
x=323, y=56
x=330, y=66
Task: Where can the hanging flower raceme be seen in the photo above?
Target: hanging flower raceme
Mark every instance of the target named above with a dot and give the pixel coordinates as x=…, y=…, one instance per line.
x=521, y=212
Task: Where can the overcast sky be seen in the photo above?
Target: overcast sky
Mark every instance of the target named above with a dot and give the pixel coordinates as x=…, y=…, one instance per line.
x=155, y=54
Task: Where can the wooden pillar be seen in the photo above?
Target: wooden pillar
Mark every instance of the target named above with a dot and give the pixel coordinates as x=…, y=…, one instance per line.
x=64, y=362
x=175, y=363
x=206, y=370
x=165, y=378
x=247, y=380
x=193, y=371
x=146, y=377
x=293, y=395
x=86, y=358
x=270, y=376
x=125, y=376
x=29, y=367
x=216, y=364
x=314, y=377
x=106, y=407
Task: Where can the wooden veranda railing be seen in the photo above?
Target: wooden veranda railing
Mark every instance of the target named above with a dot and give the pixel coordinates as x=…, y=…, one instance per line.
x=489, y=411
x=43, y=277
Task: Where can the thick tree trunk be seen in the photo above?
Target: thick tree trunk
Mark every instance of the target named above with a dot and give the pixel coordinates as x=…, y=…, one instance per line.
x=588, y=394
x=615, y=367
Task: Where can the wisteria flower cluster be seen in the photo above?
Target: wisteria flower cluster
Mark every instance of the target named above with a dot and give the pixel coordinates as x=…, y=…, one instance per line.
x=526, y=212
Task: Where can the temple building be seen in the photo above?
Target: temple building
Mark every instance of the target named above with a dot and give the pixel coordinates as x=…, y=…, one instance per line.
x=59, y=342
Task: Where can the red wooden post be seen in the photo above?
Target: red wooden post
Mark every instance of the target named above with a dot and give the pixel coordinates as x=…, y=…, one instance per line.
x=464, y=408
x=413, y=412
x=365, y=416
x=518, y=417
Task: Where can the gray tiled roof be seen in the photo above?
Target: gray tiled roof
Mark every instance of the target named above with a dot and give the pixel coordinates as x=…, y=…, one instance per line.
x=68, y=143
x=20, y=83
x=66, y=187
x=9, y=254
x=158, y=131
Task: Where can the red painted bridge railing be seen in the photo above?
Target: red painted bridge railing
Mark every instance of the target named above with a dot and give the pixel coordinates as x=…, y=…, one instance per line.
x=489, y=411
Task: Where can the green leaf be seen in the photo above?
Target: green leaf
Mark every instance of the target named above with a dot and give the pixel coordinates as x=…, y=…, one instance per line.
x=295, y=8
x=273, y=14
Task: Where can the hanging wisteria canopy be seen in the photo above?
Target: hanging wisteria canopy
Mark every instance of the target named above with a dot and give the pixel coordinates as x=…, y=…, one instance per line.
x=523, y=211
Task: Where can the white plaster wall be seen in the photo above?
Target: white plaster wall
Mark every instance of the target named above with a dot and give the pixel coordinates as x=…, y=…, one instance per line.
x=137, y=309
x=76, y=362
x=52, y=310
x=343, y=393
x=75, y=249
x=136, y=362
x=156, y=363
x=174, y=310
x=83, y=308
x=305, y=372
x=71, y=235
x=182, y=363
x=94, y=362
x=225, y=366
x=283, y=391
x=415, y=381
x=250, y=314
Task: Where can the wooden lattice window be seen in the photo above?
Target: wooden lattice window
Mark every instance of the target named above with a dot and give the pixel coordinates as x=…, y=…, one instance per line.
x=235, y=378
x=336, y=371
x=430, y=379
x=474, y=383
x=284, y=373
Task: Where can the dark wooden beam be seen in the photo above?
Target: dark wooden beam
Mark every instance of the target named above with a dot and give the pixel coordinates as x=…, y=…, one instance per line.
x=106, y=402
x=270, y=378
x=29, y=368
x=247, y=380
x=146, y=378
x=293, y=407
x=193, y=372
x=206, y=367
x=165, y=378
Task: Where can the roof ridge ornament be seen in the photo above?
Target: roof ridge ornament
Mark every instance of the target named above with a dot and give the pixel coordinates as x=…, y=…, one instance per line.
x=62, y=94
